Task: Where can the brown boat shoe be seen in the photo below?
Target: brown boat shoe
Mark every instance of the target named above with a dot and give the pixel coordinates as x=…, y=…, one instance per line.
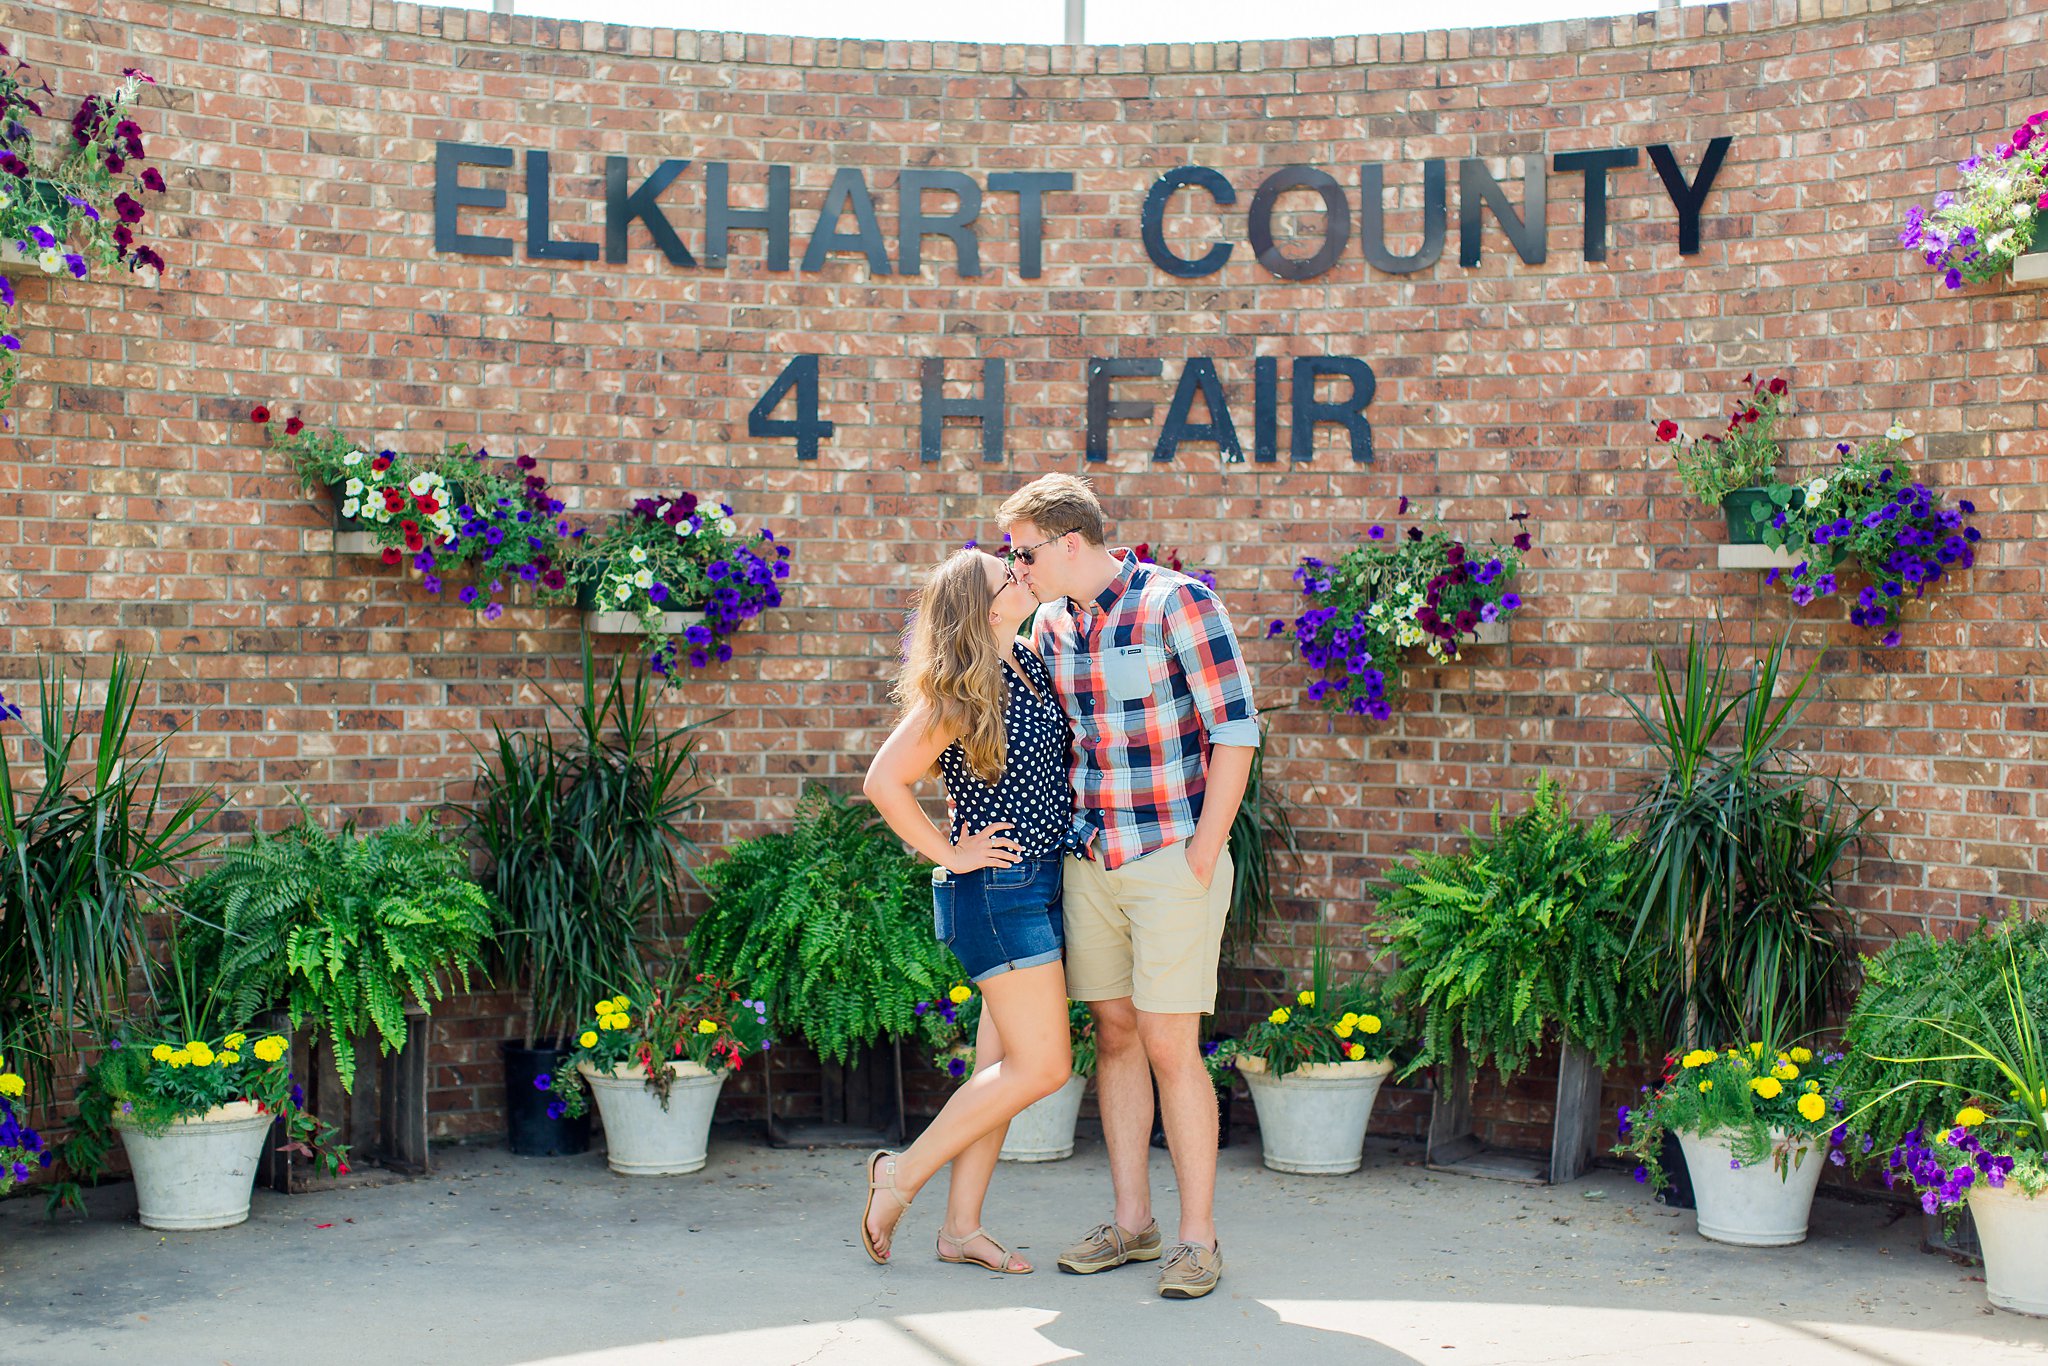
x=1107, y=1245
x=1190, y=1271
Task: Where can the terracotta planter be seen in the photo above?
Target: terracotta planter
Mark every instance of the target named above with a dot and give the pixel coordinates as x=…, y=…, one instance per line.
x=1313, y=1120
x=641, y=1137
x=1760, y=1204
x=199, y=1173
x=2012, y=1226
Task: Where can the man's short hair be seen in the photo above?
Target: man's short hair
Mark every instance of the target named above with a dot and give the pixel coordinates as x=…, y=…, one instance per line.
x=1056, y=504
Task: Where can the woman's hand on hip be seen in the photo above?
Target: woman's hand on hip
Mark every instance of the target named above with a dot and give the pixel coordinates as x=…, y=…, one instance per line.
x=986, y=848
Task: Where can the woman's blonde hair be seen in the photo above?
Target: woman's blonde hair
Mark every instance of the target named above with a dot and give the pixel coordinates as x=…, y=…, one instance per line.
x=954, y=665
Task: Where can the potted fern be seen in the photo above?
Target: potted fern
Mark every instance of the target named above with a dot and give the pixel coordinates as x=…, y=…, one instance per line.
x=584, y=833
x=1314, y=1065
x=354, y=937
x=1948, y=1070
x=1511, y=945
x=832, y=919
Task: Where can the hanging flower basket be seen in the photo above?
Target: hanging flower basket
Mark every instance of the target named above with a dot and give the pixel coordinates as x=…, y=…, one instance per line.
x=603, y=621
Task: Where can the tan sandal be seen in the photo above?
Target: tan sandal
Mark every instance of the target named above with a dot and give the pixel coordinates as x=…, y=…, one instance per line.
x=960, y=1257
x=880, y=1258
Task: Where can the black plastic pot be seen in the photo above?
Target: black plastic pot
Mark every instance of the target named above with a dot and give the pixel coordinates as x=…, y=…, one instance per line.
x=529, y=1130
x=1677, y=1194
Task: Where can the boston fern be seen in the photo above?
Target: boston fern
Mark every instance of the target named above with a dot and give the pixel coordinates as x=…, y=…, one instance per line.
x=342, y=930
x=1518, y=936
x=833, y=918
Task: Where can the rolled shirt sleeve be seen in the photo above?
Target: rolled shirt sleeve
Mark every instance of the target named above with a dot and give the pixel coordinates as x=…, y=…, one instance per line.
x=1198, y=630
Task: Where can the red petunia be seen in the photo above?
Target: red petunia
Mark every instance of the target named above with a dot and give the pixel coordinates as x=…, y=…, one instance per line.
x=394, y=501
x=259, y=415
x=415, y=543
x=292, y=426
x=1778, y=385
x=381, y=463
x=429, y=504
x=409, y=527
x=390, y=554
x=1667, y=430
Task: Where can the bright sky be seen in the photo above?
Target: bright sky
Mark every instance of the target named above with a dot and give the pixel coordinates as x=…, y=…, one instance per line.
x=1043, y=21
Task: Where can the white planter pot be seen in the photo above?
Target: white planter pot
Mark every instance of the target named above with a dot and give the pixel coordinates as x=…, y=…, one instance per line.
x=1762, y=1204
x=198, y=1173
x=2012, y=1228
x=1043, y=1131
x=1313, y=1119
x=641, y=1138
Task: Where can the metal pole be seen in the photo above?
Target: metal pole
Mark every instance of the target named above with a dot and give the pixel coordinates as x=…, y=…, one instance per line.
x=1077, y=22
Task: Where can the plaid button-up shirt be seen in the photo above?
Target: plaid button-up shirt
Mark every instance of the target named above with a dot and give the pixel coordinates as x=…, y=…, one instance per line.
x=1151, y=677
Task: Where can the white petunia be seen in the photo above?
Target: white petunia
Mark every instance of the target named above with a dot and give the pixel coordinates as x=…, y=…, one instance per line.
x=353, y=458
x=644, y=579
x=623, y=591
x=637, y=555
x=350, y=507
x=1898, y=431
x=51, y=261
x=682, y=528
x=1815, y=489
x=353, y=488
x=419, y=485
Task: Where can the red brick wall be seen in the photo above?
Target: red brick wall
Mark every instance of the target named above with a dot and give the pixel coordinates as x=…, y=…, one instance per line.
x=137, y=510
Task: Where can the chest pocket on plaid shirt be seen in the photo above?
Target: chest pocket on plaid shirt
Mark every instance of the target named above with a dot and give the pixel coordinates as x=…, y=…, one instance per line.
x=1130, y=669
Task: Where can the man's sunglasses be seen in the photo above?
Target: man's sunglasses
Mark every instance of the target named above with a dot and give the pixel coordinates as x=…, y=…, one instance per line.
x=1022, y=554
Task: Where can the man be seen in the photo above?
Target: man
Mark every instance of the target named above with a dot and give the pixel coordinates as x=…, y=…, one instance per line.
x=1148, y=671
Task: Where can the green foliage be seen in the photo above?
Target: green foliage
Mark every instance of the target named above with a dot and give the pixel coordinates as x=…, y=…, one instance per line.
x=1771, y=1103
x=951, y=1026
x=585, y=836
x=694, y=1017
x=833, y=919
x=1263, y=827
x=1518, y=936
x=342, y=930
x=1737, y=852
x=1944, y=1022
x=1744, y=454
x=1327, y=1021
x=84, y=851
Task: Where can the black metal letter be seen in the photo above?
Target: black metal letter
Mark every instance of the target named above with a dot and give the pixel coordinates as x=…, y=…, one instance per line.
x=808, y=429
x=1596, y=164
x=1372, y=219
x=1265, y=409
x=1200, y=375
x=451, y=197
x=913, y=224
x=1688, y=198
x=720, y=217
x=1031, y=187
x=936, y=407
x=849, y=190
x=1102, y=409
x=539, y=244
x=1152, y=221
x=621, y=208
x=1477, y=186
x=1336, y=221
x=1350, y=414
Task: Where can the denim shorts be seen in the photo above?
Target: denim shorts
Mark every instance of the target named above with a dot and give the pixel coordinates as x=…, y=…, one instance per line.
x=996, y=919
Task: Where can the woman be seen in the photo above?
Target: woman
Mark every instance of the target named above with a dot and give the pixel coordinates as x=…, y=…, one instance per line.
x=977, y=704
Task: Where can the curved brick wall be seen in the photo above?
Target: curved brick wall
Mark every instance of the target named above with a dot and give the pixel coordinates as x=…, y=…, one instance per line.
x=136, y=510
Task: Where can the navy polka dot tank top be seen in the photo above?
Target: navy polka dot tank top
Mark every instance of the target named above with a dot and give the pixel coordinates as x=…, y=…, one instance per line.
x=1034, y=793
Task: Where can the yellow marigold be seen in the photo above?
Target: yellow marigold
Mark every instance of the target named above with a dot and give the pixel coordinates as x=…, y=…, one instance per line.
x=1307, y=998
x=1350, y=1018
x=1706, y=1085
x=587, y=1039
x=1811, y=1108
x=1786, y=1071
x=227, y=1058
x=960, y=995
x=202, y=1056
x=1756, y=1050
x=707, y=1026
x=235, y=1040
x=269, y=1048
x=1369, y=1023
x=1356, y=1052
x=1699, y=1057
x=162, y=1052
x=1970, y=1116
x=12, y=1086
x=1279, y=1015
x=1767, y=1087
x=1802, y=1056
x=179, y=1057
x=1341, y=1030
x=620, y=1004
x=622, y=1021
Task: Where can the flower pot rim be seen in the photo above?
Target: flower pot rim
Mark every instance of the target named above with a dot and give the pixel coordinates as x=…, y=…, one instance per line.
x=633, y=1071
x=234, y=1112
x=1253, y=1065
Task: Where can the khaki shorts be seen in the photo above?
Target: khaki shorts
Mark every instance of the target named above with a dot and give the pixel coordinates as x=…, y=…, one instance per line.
x=1147, y=930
